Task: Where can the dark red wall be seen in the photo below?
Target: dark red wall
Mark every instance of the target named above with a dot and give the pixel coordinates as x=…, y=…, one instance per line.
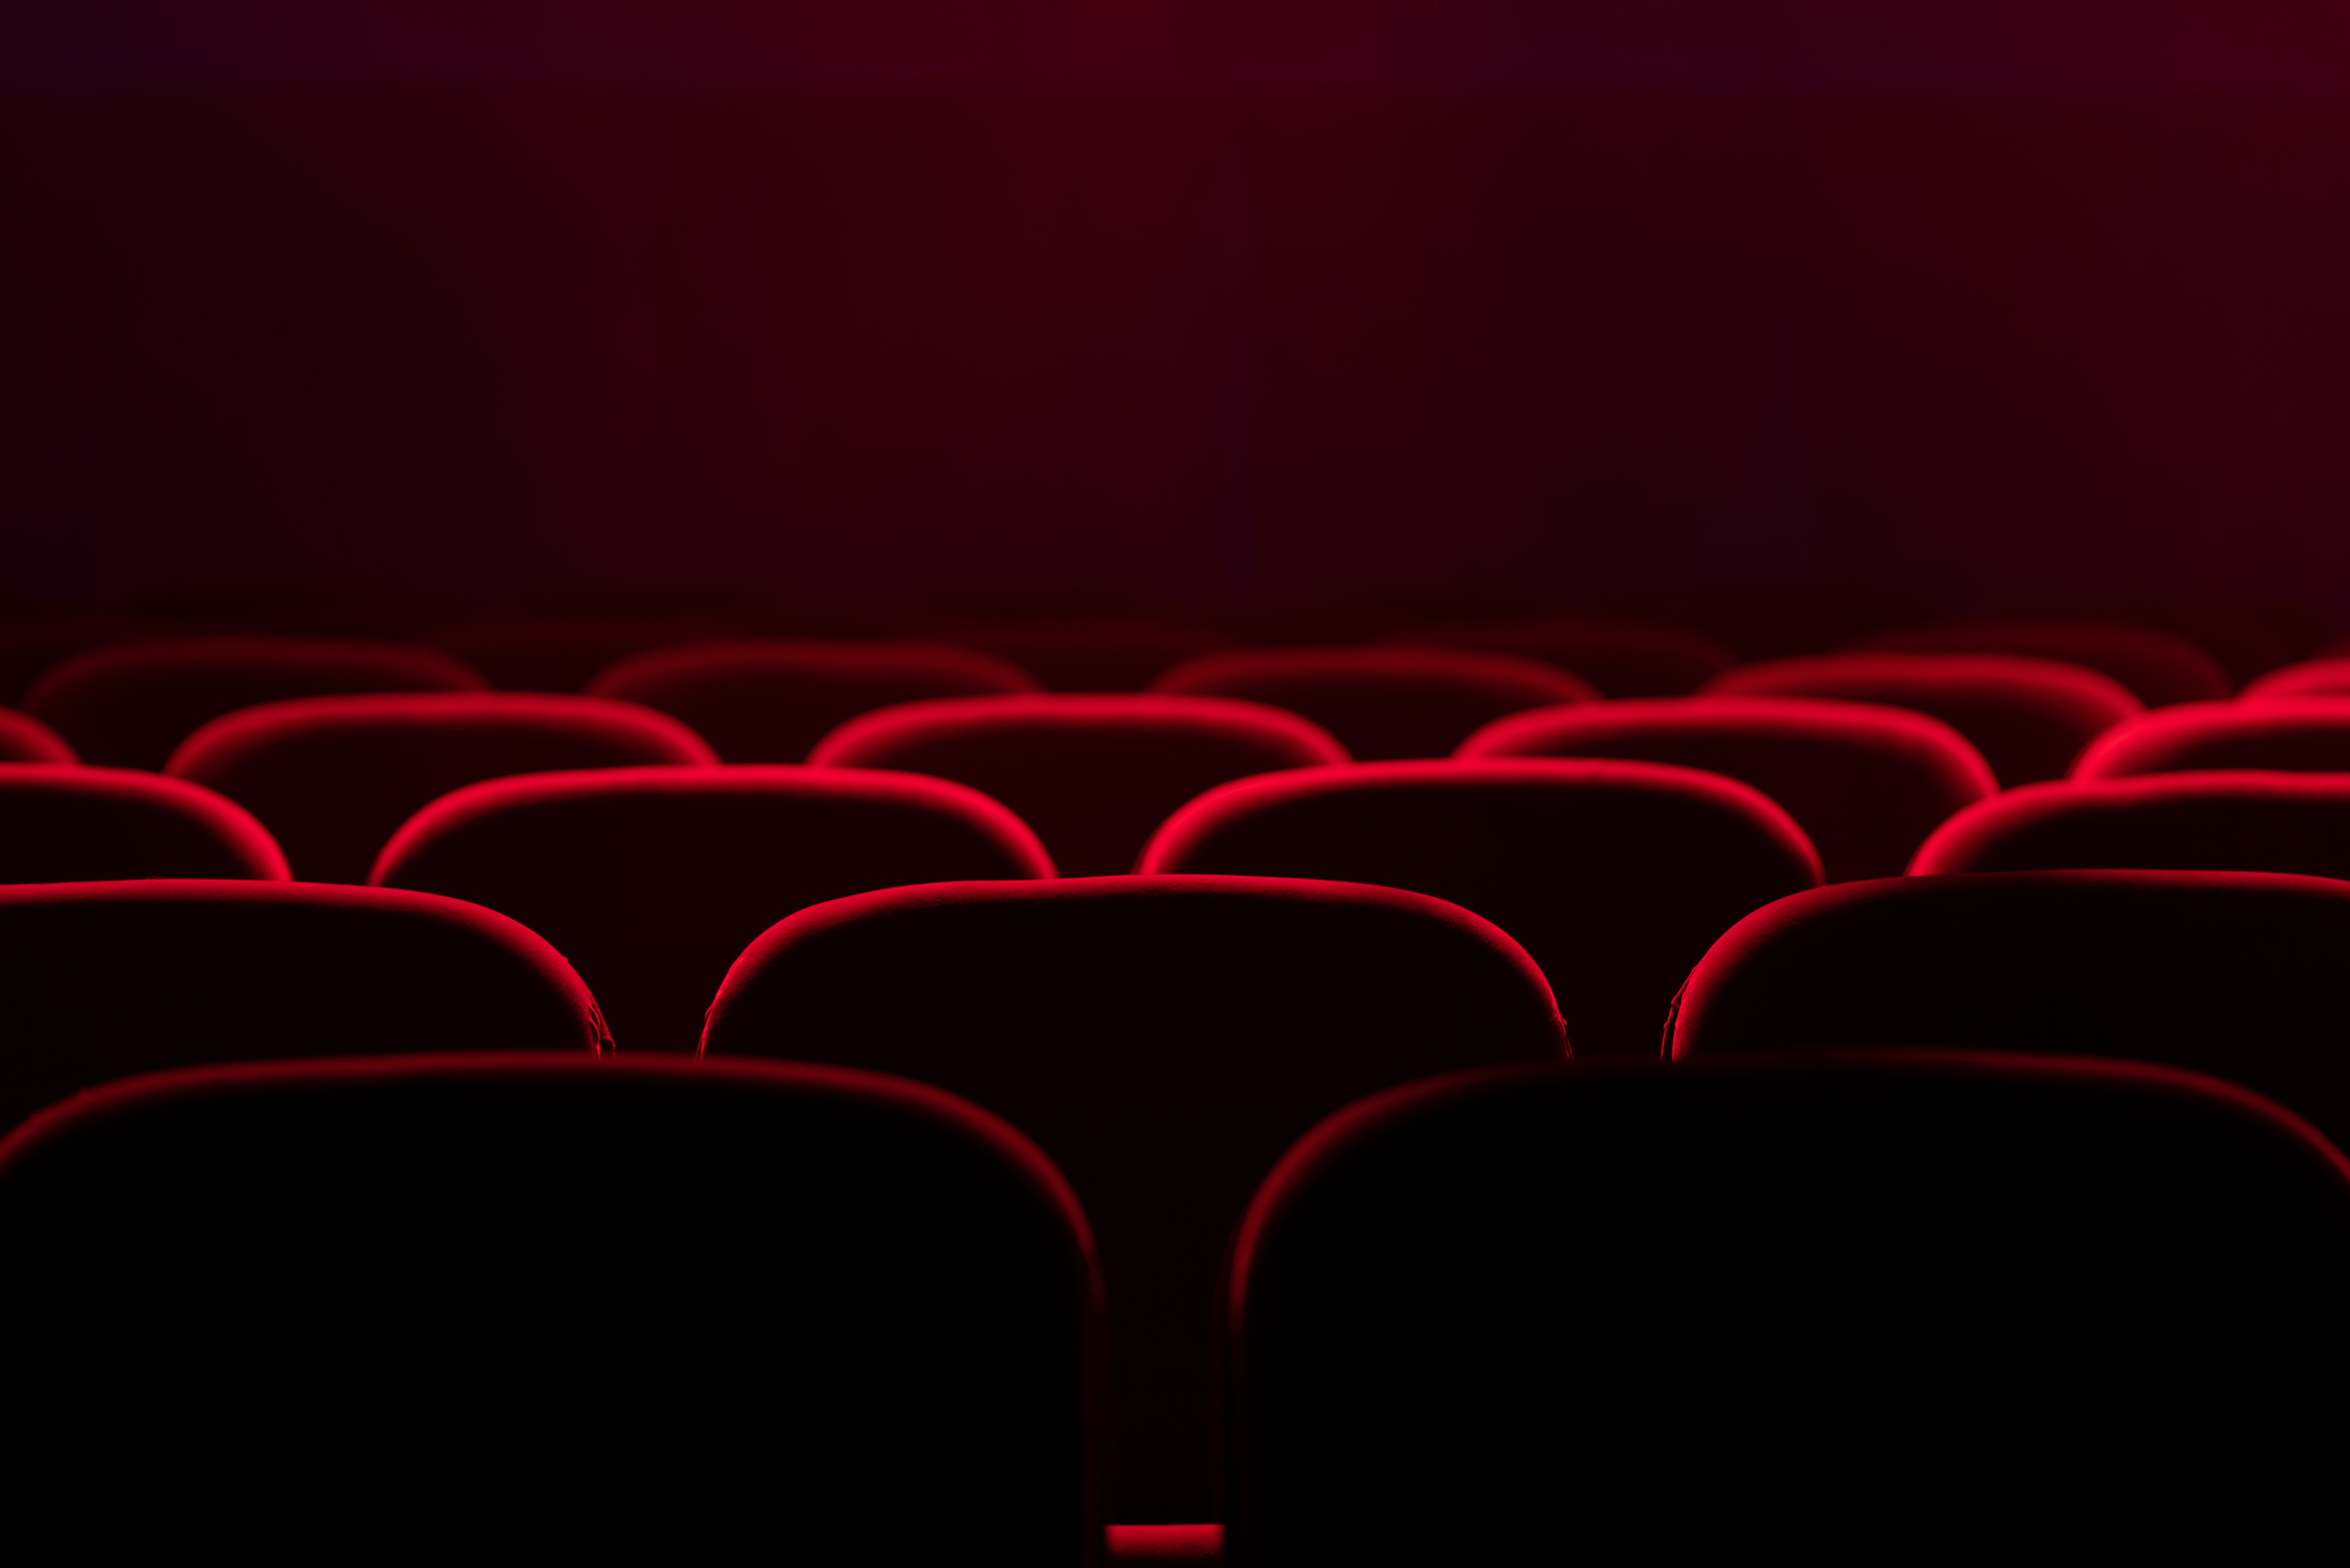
x=1996, y=301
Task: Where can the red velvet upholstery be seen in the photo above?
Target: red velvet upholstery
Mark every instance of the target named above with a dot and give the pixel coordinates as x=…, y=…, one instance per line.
x=1123, y=654
x=2028, y=717
x=1618, y=658
x=25, y=739
x=652, y=880
x=1385, y=702
x=2297, y=734
x=565, y=652
x=129, y=705
x=2233, y=973
x=2157, y=667
x=104, y=979
x=60, y=823
x=335, y=777
x=1848, y=1308
x=586, y=1311
x=1163, y=1039
x=1092, y=774
x=1866, y=783
x=2248, y=821
x=2312, y=678
x=1616, y=875
x=771, y=702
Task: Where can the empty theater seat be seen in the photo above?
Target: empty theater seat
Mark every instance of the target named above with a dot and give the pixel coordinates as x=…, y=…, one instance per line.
x=67, y=823
x=1618, y=658
x=130, y=704
x=650, y=880
x=2231, y=973
x=1092, y=774
x=2312, y=678
x=771, y=702
x=2028, y=717
x=594, y=1309
x=564, y=652
x=2157, y=667
x=1866, y=783
x=1108, y=654
x=333, y=778
x=1616, y=875
x=1910, y=1307
x=2299, y=733
x=2250, y=820
x=102, y=980
x=25, y=739
x=1385, y=702
x=1163, y=1039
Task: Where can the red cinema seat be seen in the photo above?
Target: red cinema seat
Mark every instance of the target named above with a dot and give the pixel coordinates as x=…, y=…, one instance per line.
x=1164, y=1038
x=652, y=880
x=590, y=1311
x=1092, y=773
x=1866, y=783
x=564, y=652
x=2233, y=973
x=2157, y=667
x=25, y=739
x=30, y=648
x=2312, y=678
x=1384, y=702
x=772, y=701
x=2248, y=821
x=1122, y=654
x=1858, y=1309
x=105, y=979
x=1616, y=875
x=2247, y=636
x=333, y=778
x=67, y=823
x=2297, y=735
x=2028, y=717
x=129, y=705
x=1618, y=658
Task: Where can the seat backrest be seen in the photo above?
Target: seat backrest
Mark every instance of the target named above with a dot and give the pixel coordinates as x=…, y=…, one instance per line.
x=770, y=702
x=129, y=704
x=2296, y=734
x=333, y=778
x=25, y=739
x=1618, y=658
x=2248, y=821
x=2312, y=678
x=2231, y=973
x=1092, y=773
x=564, y=651
x=60, y=823
x=2028, y=717
x=2157, y=667
x=1866, y=783
x=1123, y=653
x=650, y=880
x=1387, y=700
x=1856, y=1309
x=585, y=1308
x=106, y=979
x=1164, y=1038
x=1616, y=875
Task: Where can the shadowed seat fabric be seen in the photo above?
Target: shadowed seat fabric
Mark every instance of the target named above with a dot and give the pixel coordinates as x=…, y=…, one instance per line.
x=2157, y=667
x=1828, y=1305
x=1121, y=654
x=69, y=823
x=2028, y=717
x=2246, y=820
x=333, y=778
x=1618, y=658
x=1866, y=783
x=107, y=979
x=1616, y=875
x=650, y=880
x=1385, y=702
x=2296, y=734
x=2312, y=678
x=25, y=739
x=2233, y=973
x=1092, y=774
x=657, y=1311
x=772, y=701
x=131, y=704
x=1163, y=1039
